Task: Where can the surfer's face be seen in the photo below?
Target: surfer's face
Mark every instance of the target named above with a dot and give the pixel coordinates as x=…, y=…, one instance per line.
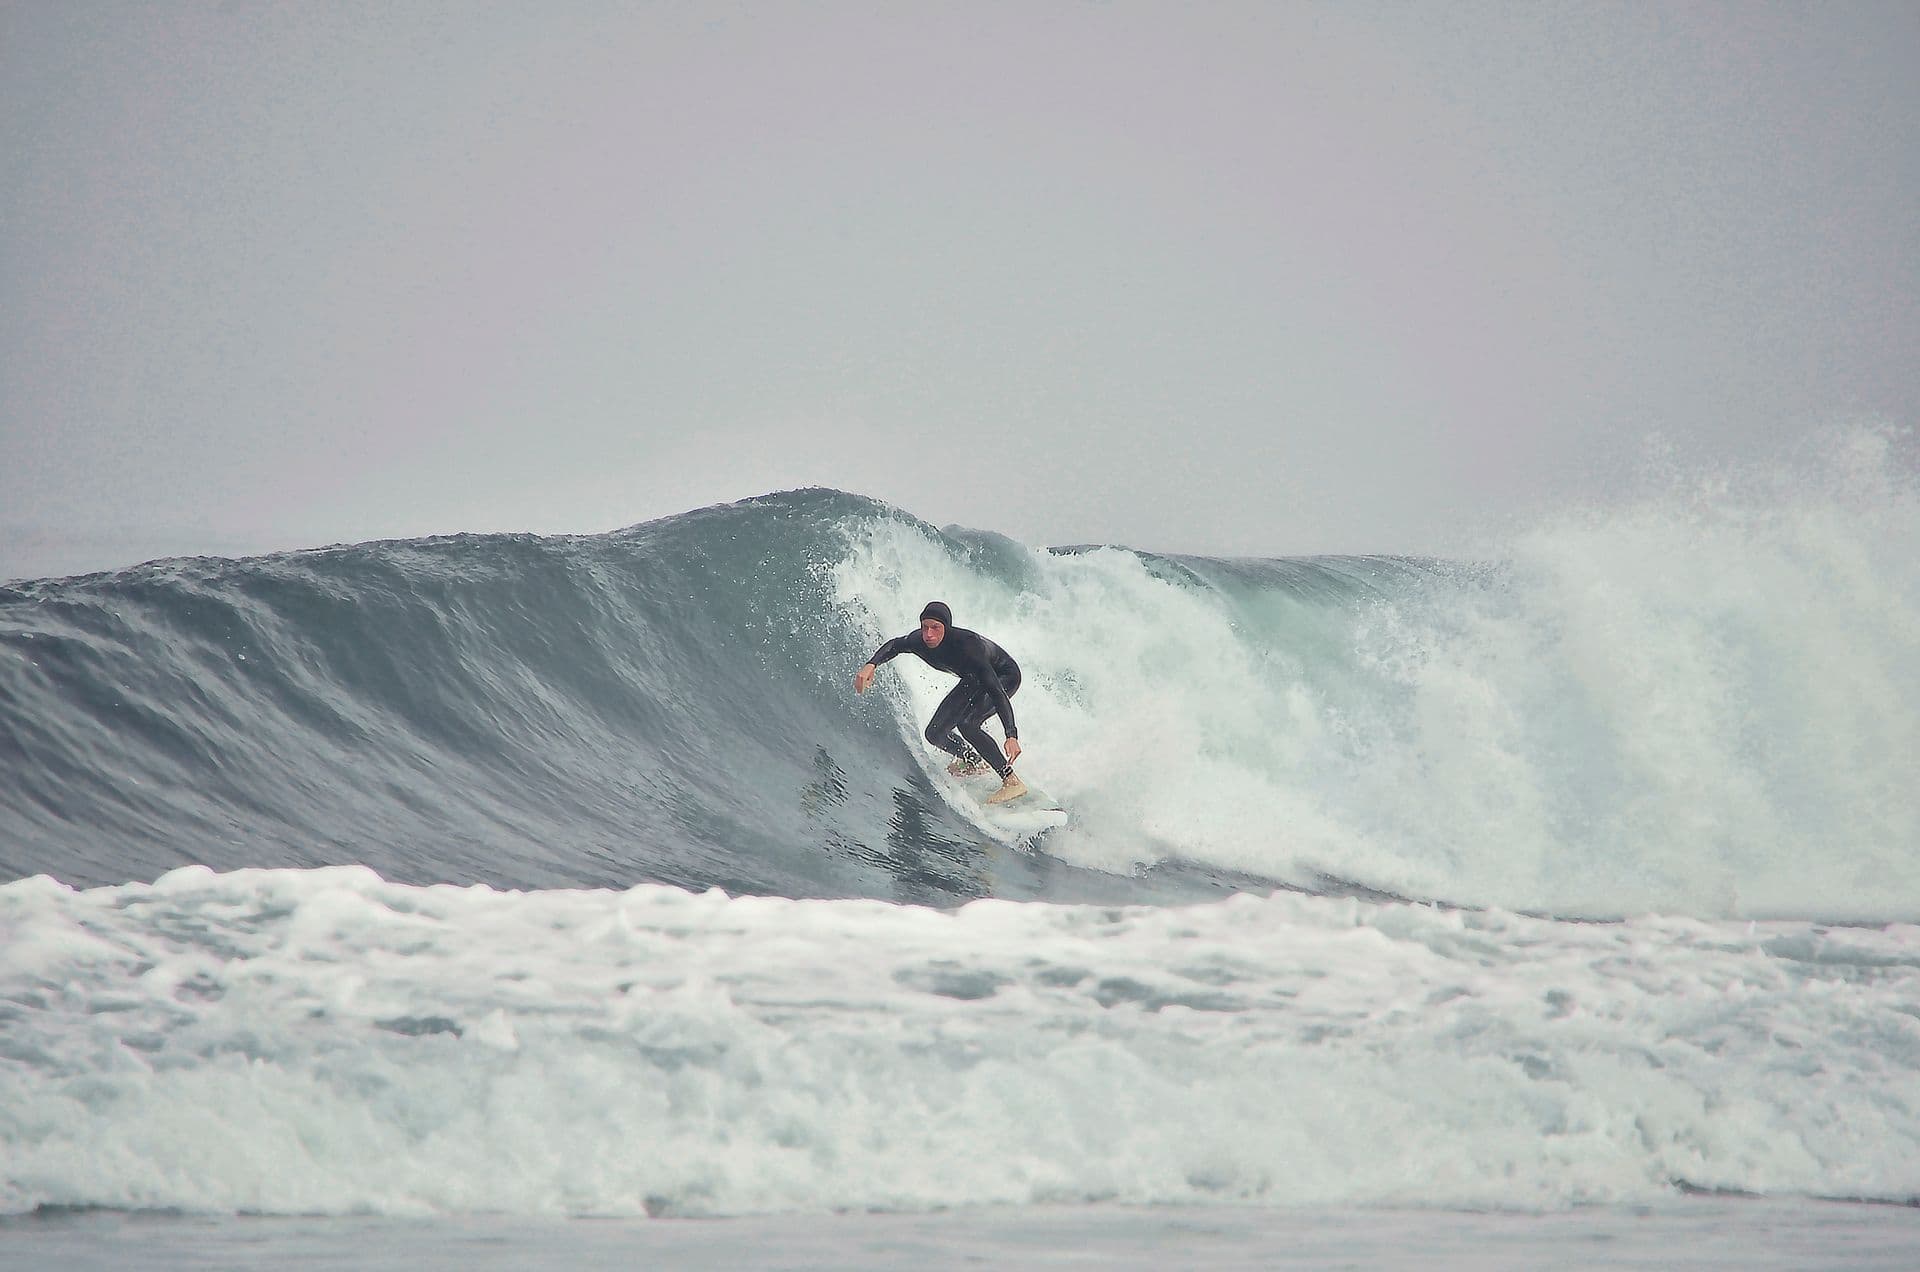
x=932, y=631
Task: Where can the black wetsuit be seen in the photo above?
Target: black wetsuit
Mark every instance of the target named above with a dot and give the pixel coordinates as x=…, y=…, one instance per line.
x=988, y=680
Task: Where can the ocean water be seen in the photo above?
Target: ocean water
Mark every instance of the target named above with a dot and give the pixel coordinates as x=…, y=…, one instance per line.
x=555, y=898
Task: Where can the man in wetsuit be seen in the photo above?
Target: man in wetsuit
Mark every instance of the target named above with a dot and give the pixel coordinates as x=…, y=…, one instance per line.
x=988, y=681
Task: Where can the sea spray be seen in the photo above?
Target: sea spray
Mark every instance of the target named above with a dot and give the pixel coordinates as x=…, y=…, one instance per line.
x=1701, y=701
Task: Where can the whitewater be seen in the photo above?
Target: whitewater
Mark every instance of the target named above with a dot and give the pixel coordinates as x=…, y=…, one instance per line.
x=515, y=879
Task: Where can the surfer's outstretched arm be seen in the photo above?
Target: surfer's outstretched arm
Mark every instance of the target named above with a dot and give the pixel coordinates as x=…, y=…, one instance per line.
x=864, y=677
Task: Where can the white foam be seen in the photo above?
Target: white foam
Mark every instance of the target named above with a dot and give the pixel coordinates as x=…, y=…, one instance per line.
x=1704, y=701
x=1140, y=708
x=322, y=1041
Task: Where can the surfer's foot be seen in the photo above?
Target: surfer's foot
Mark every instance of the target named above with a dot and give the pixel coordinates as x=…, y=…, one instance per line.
x=968, y=768
x=1012, y=788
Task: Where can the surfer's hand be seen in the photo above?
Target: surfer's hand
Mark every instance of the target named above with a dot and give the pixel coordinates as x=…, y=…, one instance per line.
x=1013, y=749
x=862, y=678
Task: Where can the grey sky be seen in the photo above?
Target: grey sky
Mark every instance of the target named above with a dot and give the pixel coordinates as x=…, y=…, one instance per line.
x=1239, y=278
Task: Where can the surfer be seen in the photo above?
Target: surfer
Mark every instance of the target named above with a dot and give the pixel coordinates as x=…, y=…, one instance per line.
x=988, y=680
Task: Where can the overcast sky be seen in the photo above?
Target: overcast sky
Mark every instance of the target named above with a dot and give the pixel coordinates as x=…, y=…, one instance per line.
x=1234, y=278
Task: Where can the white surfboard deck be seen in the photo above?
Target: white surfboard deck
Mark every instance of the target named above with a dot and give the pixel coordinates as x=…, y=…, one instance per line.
x=1024, y=817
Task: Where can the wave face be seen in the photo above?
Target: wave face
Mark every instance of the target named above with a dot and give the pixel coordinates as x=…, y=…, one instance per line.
x=516, y=709
x=1704, y=703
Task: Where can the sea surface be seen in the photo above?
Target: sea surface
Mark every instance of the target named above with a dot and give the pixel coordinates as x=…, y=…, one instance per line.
x=505, y=900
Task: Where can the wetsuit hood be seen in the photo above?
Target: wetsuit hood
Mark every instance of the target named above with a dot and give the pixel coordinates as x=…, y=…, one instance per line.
x=938, y=611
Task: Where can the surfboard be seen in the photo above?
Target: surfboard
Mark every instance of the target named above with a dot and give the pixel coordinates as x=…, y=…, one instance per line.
x=1029, y=815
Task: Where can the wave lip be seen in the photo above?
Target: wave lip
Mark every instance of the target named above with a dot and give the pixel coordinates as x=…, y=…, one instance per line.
x=327, y=1042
